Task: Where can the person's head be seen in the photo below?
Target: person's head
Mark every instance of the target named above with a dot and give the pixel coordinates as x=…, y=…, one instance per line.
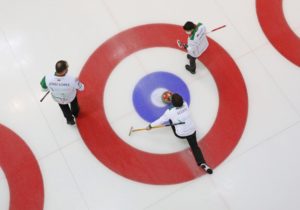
x=61, y=67
x=188, y=27
x=177, y=100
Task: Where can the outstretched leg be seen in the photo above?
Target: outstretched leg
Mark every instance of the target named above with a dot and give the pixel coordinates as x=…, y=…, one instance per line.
x=195, y=148
x=192, y=140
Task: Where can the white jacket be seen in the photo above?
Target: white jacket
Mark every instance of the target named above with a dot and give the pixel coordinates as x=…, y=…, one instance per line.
x=63, y=88
x=177, y=115
x=197, y=41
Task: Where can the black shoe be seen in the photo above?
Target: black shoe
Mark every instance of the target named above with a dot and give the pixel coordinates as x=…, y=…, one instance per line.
x=71, y=122
x=192, y=71
x=206, y=168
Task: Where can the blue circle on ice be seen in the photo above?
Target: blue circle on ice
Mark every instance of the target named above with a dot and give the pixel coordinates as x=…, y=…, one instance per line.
x=147, y=94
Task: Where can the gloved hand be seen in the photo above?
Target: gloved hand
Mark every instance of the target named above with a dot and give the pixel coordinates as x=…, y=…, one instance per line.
x=148, y=127
x=181, y=45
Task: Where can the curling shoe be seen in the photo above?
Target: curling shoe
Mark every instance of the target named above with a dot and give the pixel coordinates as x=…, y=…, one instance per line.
x=192, y=71
x=206, y=168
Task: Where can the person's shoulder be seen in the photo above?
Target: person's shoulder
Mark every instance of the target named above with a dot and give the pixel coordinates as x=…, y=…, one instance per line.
x=170, y=109
x=49, y=76
x=201, y=27
x=70, y=77
x=185, y=104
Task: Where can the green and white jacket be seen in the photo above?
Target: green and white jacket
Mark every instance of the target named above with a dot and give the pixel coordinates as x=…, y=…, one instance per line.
x=178, y=115
x=197, y=41
x=62, y=88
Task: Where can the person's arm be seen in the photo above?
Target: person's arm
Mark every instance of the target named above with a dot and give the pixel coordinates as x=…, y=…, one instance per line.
x=78, y=85
x=160, y=121
x=43, y=84
x=181, y=44
x=195, y=40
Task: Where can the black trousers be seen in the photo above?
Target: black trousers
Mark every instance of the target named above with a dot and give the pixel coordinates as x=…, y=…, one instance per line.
x=192, y=140
x=70, y=112
x=192, y=62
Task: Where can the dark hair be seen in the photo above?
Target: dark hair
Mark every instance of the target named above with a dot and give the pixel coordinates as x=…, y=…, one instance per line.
x=60, y=66
x=188, y=26
x=177, y=100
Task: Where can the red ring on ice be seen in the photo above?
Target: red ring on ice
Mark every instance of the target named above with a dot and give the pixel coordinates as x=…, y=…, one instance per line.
x=273, y=23
x=22, y=172
x=146, y=167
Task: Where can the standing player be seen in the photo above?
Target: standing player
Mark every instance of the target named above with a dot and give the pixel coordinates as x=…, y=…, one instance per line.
x=197, y=43
x=63, y=89
x=179, y=112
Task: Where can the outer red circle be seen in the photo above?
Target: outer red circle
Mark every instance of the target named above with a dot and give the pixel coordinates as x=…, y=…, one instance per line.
x=159, y=168
x=271, y=18
x=22, y=172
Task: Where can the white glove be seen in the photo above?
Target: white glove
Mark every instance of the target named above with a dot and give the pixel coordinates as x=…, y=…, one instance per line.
x=181, y=45
x=148, y=127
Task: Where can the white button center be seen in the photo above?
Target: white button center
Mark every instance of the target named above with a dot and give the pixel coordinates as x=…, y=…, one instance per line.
x=156, y=97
